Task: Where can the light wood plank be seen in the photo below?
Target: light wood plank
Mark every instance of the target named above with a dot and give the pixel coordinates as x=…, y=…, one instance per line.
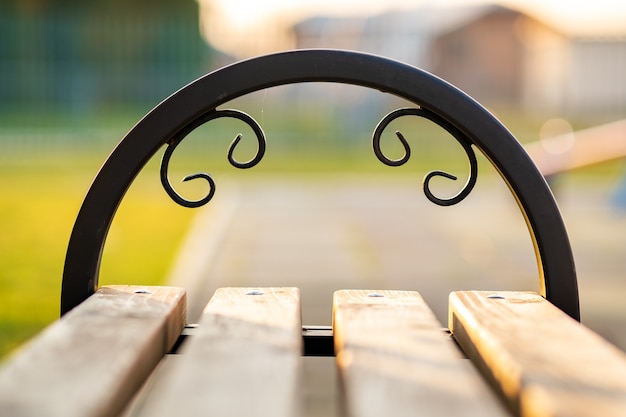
x=396, y=360
x=244, y=360
x=544, y=362
x=91, y=362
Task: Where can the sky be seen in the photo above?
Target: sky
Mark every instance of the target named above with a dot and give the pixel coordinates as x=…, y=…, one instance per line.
x=232, y=24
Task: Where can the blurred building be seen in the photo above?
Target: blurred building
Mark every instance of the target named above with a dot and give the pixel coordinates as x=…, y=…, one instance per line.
x=500, y=56
x=597, y=76
x=504, y=57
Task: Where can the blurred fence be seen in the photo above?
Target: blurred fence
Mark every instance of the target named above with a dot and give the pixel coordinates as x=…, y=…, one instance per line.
x=76, y=60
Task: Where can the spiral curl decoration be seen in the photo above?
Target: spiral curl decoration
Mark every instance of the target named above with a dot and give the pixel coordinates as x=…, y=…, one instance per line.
x=176, y=140
x=463, y=140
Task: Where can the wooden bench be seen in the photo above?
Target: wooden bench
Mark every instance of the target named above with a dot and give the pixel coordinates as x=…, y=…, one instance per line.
x=108, y=354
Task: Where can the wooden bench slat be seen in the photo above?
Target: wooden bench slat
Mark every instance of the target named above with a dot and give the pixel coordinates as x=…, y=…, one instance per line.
x=92, y=361
x=544, y=362
x=244, y=359
x=396, y=360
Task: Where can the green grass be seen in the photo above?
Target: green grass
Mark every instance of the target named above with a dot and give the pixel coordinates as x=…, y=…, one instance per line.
x=40, y=200
x=35, y=220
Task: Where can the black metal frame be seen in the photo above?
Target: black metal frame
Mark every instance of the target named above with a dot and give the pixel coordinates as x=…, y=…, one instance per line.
x=468, y=121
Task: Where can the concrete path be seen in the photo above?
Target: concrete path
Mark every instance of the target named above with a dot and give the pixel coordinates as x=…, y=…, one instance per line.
x=324, y=234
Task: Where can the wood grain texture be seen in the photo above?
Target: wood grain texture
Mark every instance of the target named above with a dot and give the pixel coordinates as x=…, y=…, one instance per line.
x=91, y=362
x=545, y=363
x=244, y=360
x=396, y=360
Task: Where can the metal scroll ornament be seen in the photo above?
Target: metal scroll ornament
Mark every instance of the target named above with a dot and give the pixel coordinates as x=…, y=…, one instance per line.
x=173, y=143
x=261, y=145
x=457, y=134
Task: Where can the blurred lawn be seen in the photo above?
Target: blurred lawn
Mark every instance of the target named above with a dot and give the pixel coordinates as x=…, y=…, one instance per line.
x=39, y=203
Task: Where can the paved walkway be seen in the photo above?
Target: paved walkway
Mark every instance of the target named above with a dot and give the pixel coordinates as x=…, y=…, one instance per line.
x=326, y=234
x=340, y=233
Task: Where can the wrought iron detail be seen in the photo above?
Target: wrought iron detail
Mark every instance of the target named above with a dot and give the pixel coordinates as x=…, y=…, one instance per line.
x=463, y=140
x=177, y=139
x=557, y=272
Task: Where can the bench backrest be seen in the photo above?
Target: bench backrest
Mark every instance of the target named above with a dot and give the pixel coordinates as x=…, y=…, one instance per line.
x=195, y=104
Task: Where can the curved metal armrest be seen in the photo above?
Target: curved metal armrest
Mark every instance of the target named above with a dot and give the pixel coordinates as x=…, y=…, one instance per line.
x=434, y=98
